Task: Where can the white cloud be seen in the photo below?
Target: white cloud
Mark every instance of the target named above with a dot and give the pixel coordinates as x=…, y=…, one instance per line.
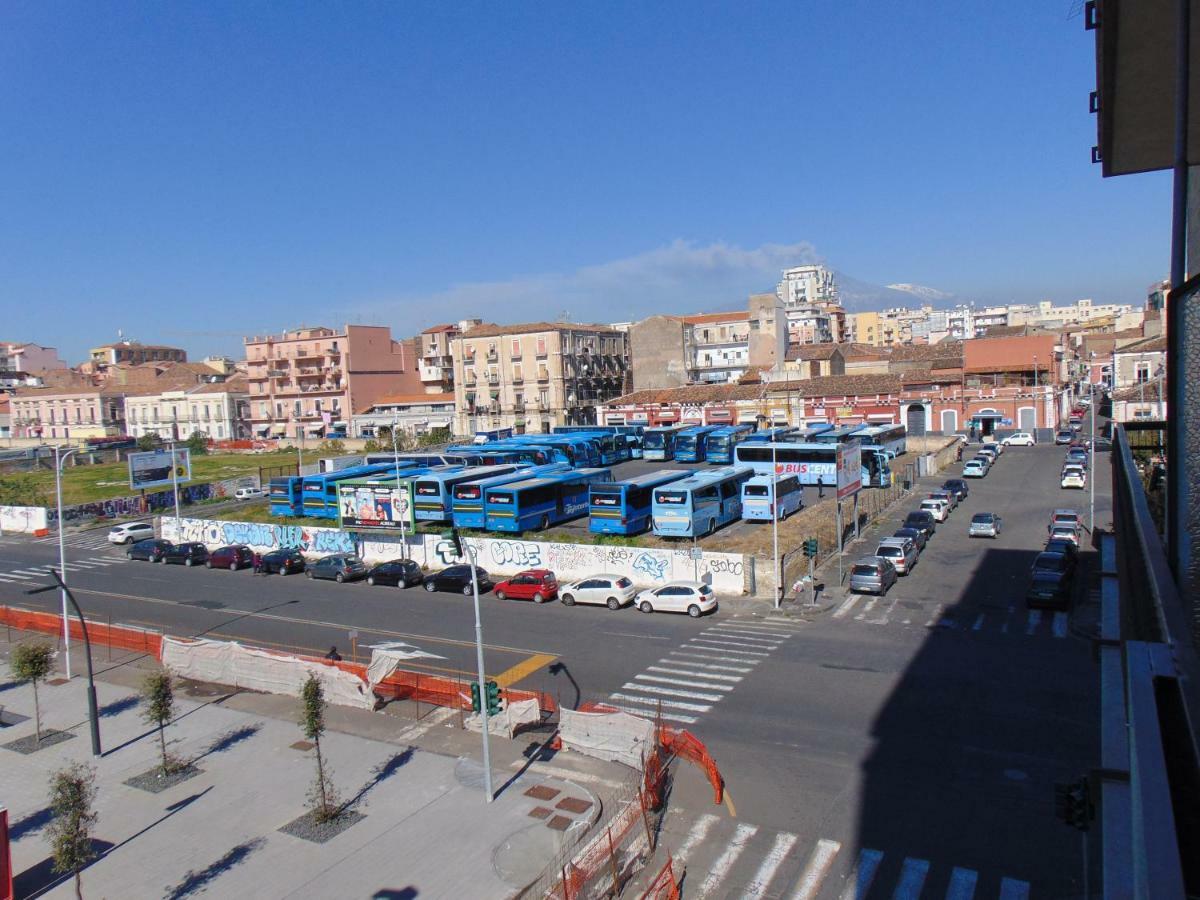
x=680, y=277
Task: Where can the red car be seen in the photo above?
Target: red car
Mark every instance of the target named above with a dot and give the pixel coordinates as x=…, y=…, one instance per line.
x=538, y=585
x=233, y=557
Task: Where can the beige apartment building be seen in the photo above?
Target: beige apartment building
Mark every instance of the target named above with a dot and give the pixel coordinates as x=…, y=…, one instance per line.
x=219, y=410
x=67, y=413
x=435, y=346
x=310, y=381
x=134, y=353
x=534, y=376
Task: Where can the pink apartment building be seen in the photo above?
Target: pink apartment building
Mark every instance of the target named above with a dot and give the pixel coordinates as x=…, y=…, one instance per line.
x=53, y=413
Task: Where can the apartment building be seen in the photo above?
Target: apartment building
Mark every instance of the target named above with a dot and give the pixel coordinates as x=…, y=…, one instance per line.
x=1140, y=362
x=720, y=346
x=435, y=346
x=312, y=380
x=415, y=414
x=67, y=413
x=26, y=358
x=134, y=353
x=220, y=410
x=537, y=375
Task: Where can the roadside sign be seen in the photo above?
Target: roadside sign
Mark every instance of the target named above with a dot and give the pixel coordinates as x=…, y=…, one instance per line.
x=849, y=469
x=152, y=469
x=377, y=506
x=697, y=553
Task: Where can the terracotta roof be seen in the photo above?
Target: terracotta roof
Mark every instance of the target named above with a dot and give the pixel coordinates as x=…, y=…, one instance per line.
x=810, y=351
x=22, y=393
x=739, y=316
x=1156, y=344
x=436, y=329
x=932, y=376
x=235, y=384
x=838, y=386
x=863, y=351
x=752, y=375
x=534, y=328
x=921, y=352
x=692, y=394
x=402, y=399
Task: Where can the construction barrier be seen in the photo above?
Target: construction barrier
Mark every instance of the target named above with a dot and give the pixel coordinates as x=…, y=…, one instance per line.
x=118, y=637
x=665, y=885
x=613, y=736
x=684, y=744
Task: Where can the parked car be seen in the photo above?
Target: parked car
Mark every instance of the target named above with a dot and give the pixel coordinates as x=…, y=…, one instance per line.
x=1020, y=439
x=985, y=524
x=151, y=550
x=190, y=553
x=1063, y=546
x=986, y=458
x=923, y=520
x=1049, y=561
x=398, y=572
x=900, y=552
x=1047, y=588
x=249, y=494
x=974, y=469
x=285, y=561
x=338, y=567
x=996, y=446
x=958, y=486
x=1101, y=445
x=939, y=509
x=232, y=557
x=1064, y=437
x=538, y=585
x=613, y=591
x=872, y=575
x=950, y=497
x=1065, y=532
x=458, y=578
x=1073, y=477
x=990, y=452
x=130, y=532
x=1064, y=516
x=691, y=597
x=916, y=535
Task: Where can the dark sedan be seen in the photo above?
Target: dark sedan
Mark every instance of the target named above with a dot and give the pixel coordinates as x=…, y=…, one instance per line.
x=916, y=535
x=151, y=550
x=398, y=572
x=1049, y=588
x=338, y=568
x=285, y=562
x=187, y=554
x=1047, y=561
x=457, y=579
x=1063, y=546
x=958, y=487
x=233, y=557
x=922, y=520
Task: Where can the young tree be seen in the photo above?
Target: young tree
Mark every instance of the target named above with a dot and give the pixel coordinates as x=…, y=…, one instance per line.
x=147, y=442
x=72, y=795
x=33, y=662
x=158, y=697
x=197, y=443
x=312, y=721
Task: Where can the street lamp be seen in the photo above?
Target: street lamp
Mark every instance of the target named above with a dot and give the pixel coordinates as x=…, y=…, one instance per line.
x=59, y=459
x=396, y=461
x=463, y=549
x=1036, y=411
x=775, y=518
x=1092, y=460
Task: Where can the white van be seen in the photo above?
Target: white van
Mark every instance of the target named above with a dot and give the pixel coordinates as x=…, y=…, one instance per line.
x=765, y=497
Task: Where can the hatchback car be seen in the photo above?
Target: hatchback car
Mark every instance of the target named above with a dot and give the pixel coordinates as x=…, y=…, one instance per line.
x=900, y=552
x=286, y=561
x=923, y=520
x=1065, y=532
x=985, y=524
x=958, y=487
x=872, y=575
x=1073, y=477
x=1020, y=439
x=691, y=597
x=1047, y=588
x=974, y=469
x=396, y=572
x=538, y=585
x=458, y=579
x=916, y=535
x=990, y=452
x=249, y=494
x=190, y=553
x=939, y=509
x=150, y=551
x=1064, y=437
x=338, y=567
x=613, y=591
x=233, y=557
x=130, y=533
x=1066, y=517
x=949, y=496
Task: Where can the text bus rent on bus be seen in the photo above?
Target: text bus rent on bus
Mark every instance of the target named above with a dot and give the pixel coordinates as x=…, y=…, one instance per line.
x=701, y=503
x=537, y=503
x=720, y=444
x=467, y=496
x=812, y=463
x=767, y=497
x=691, y=444
x=624, y=507
x=431, y=492
x=659, y=442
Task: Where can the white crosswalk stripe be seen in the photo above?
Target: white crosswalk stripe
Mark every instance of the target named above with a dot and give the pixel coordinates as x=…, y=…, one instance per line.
x=882, y=612
x=912, y=878
x=1059, y=625
x=1014, y=889
x=15, y=575
x=962, y=884
x=817, y=868
x=669, y=692
x=748, y=649
x=757, y=887
x=682, y=682
x=712, y=655
x=654, y=701
x=724, y=647
x=858, y=882
x=696, y=835
x=1035, y=619
x=846, y=606
x=753, y=637
x=725, y=861
x=711, y=676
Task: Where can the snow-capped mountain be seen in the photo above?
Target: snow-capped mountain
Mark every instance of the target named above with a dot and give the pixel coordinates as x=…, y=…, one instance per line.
x=926, y=294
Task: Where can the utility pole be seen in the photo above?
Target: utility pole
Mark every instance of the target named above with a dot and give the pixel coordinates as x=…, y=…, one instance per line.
x=62, y=554
x=483, y=707
x=1092, y=458
x=399, y=489
x=775, y=518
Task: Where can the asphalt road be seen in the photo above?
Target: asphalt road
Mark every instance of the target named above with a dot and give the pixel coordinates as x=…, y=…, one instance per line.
x=914, y=739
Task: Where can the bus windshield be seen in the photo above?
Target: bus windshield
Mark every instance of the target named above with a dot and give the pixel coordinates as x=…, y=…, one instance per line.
x=654, y=440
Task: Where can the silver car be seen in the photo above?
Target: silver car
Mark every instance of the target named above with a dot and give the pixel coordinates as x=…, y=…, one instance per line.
x=900, y=552
x=985, y=524
x=872, y=575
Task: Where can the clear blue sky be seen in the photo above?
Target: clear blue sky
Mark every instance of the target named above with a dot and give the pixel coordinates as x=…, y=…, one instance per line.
x=194, y=171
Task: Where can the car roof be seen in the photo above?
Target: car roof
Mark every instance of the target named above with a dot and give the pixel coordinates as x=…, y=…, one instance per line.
x=893, y=541
x=982, y=512
x=698, y=585
x=1066, y=512
x=611, y=575
x=869, y=561
x=541, y=573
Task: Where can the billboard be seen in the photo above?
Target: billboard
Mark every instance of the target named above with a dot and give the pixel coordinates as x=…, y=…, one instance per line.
x=375, y=506
x=849, y=469
x=152, y=469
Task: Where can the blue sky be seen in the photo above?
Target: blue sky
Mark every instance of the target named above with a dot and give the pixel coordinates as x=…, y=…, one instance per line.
x=194, y=172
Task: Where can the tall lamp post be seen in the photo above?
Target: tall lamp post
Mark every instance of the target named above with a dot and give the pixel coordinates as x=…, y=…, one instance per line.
x=59, y=459
x=396, y=460
x=775, y=519
x=1092, y=459
x=1037, y=413
x=463, y=549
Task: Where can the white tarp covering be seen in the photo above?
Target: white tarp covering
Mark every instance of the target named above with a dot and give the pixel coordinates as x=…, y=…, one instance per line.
x=616, y=737
x=385, y=662
x=227, y=662
x=514, y=715
x=22, y=519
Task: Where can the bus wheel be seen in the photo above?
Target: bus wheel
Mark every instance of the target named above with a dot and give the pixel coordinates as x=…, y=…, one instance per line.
x=712, y=526
x=545, y=523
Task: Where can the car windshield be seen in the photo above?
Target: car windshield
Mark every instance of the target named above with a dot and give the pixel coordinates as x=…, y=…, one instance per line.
x=889, y=551
x=863, y=570
x=982, y=519
x=1050, y=562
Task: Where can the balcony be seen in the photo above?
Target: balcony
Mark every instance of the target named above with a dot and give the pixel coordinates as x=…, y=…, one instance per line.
x=517, y=377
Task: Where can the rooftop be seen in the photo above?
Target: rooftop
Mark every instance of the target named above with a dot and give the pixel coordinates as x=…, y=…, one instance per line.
x=811, y=351
x=708, y=318
x=492, y=330
x=412, y=399
x=1157, y=344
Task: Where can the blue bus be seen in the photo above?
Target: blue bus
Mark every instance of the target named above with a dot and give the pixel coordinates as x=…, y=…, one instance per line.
x=501, y=454
x=495, y=434
x=892, y=439
x=701, y=503
x=767, y=497
x=769, y=434
x=809, y=432
x=691, y=444
x=613, y=447
x=659, y=442
x=285, y=497
x=569, y=448
x=721, y=442
x=537, y=503
x=431, y=492
x=623, y=507
x=813, y=463
x=466, y=497
x=627, y=443
x=319, y=497
x=835, y=435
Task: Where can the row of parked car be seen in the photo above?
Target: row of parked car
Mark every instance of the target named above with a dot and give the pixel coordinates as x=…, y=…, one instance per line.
x=1075, y=467
x=1053, y=572
x=981, y=464
x=537, y=585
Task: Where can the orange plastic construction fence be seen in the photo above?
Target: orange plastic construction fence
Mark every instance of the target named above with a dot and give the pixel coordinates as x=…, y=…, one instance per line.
x=679, y=742
x=664, y=886
x=120, y=637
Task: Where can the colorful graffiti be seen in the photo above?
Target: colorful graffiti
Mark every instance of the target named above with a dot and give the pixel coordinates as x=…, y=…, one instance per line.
x=260, y=536
x=121, y=507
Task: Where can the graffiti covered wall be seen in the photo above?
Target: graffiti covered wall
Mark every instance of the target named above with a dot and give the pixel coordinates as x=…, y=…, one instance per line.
x=116, y=507
x=22, y=519
x=259, y=535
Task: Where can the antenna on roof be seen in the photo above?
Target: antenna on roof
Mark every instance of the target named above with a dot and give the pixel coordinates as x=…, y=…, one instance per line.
x=564, y=316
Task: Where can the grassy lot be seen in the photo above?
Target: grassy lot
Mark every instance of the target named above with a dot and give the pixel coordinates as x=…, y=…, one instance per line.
x=84, y=484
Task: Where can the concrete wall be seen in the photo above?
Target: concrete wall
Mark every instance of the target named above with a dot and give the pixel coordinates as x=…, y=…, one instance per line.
x=659, y=353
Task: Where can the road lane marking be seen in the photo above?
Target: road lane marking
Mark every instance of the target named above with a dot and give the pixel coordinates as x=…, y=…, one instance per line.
x=523, y=669
x=912, y=878
x=757, y=887
x=696, y=834
x=937, y=612
x=691, y=682
x=755, y=649
x=644, y=637
x=725, y=861
x=861, y=875
x=670, y=704
x=700, y=665
x=669, y=692
x=883, y=619
x=15, y=575
x=711, y=676
x=759, y=629
x=720, y=647
x=714, y=654
x=866, y=609
x=962, y=884
x=845, y=607
x=1014, y=889
x=1035, y=619
x=743, y=636
x=1059, y=625
x=819, y=864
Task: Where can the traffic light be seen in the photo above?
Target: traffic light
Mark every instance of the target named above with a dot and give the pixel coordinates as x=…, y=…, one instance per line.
x=495, y=698
x=810, y=548
x=475, y=704
x=452, y=536
x=1073, y=804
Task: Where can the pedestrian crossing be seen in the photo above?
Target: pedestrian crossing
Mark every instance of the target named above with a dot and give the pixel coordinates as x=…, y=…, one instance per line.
x=727, y=858
x=690, y=680
x=1014, y=620
x=32, y=574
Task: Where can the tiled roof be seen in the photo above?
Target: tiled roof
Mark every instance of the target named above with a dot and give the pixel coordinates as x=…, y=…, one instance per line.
x=736, y=316
x=691, y=395
x=486, y=331
x=838, y=386
x=235, y=384
x=932, y=376
x=922, y=352
x=863, y=351
x=1156, y=344
x=437, y=329
x=811, y=351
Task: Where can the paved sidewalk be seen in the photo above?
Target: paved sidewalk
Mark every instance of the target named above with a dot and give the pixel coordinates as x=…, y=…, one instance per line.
x=426, y=829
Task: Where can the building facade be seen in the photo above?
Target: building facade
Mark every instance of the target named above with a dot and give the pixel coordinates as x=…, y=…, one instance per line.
x=28, y=358
x=134, y=353
x=414, y=414
x=65, y=414
x=221, y=411
x=435, y=346
x=1140, y=362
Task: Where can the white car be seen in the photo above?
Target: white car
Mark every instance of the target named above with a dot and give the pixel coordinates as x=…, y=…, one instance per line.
x=938, y=508
x=1020, y=439
x=974, y=469
x=1073, y=477
x=613, y=591
x=130, y=533
x=691, y=597
x=249, y=494
x=998, y=446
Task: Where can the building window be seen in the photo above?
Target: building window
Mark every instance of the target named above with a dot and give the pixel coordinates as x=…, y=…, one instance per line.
x=516, y=348
x=541, y=346
x=1142, y=372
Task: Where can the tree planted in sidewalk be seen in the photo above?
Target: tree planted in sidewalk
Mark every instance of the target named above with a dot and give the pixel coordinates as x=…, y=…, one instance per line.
x=33, y=662
x=322, y=796
x=72, y=796
x=158, y=709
